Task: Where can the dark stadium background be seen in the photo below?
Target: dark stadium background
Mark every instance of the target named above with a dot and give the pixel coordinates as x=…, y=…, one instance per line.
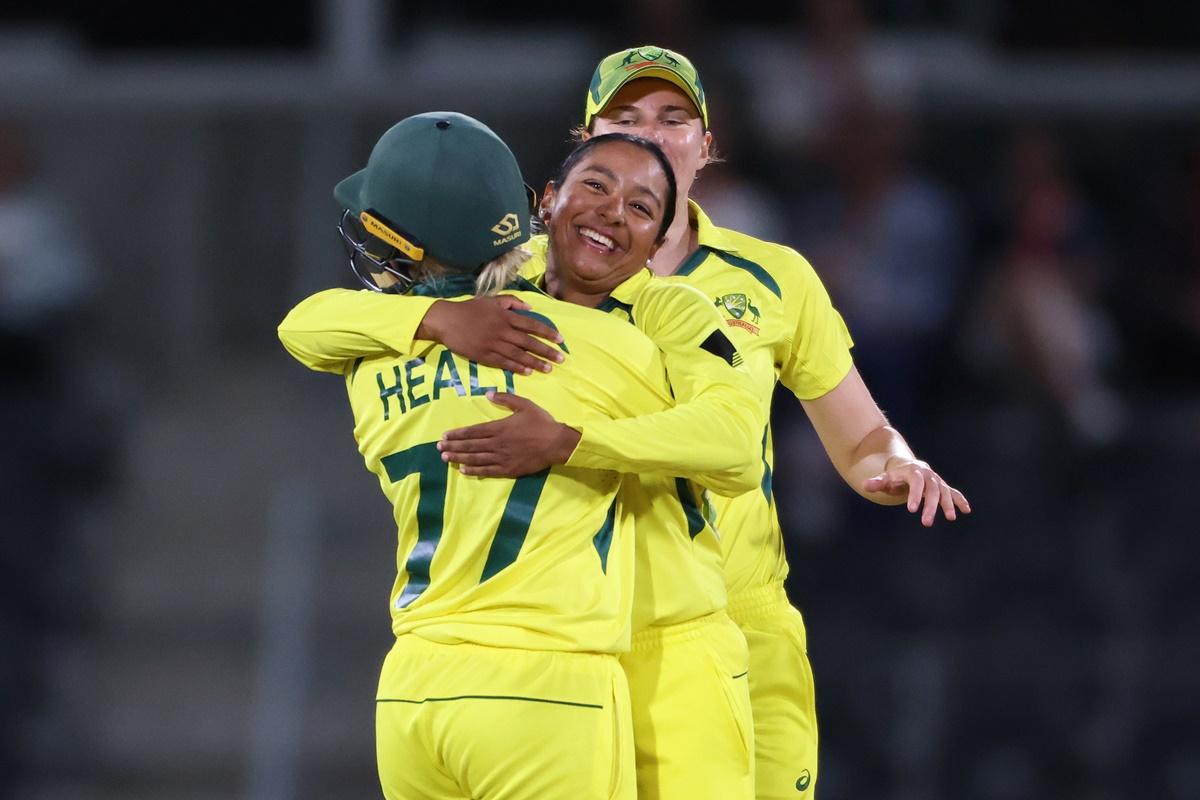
x=1004, y=199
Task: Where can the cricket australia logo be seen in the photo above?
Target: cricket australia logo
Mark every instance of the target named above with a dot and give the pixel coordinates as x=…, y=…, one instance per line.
x=507, y=229
x=648, y=54
x=737, y=305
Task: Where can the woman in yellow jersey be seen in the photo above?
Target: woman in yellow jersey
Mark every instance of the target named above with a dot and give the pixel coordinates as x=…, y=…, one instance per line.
x=693, y=732
x=511, y=595
x=688, y=663
x=781, y=320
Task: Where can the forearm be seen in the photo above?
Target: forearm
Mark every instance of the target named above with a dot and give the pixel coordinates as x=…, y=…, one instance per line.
x=714, y=439
x=871, y=457
x=329, y=328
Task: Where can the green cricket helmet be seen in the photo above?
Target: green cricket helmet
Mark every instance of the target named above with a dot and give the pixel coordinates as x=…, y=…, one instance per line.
x=439, y=185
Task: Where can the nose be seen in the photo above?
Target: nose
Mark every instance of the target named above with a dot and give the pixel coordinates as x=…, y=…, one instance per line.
x=612, y=209
x=653, y=133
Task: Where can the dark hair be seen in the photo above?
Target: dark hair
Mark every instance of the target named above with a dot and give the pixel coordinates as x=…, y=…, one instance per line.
x=581, y=132
x=581, y=149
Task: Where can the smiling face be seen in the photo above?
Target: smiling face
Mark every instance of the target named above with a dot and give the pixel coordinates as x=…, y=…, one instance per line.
x=603, y=220
x=660, y=111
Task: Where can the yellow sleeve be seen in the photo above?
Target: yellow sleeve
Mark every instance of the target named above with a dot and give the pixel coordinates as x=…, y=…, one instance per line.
x=331, y=328
x=817, y=353
x=713, y=435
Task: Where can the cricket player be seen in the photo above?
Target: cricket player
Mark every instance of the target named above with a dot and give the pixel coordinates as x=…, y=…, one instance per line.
x=688, y=663
x=780, y=317
x=512, y=595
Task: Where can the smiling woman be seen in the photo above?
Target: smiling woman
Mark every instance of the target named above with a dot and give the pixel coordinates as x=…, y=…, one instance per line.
x=607, y=212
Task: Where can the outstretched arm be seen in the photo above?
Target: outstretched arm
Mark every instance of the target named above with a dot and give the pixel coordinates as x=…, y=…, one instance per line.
x=873, y=458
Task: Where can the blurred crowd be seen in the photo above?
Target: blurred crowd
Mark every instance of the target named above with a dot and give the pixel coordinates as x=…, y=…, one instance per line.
x=1024, y=296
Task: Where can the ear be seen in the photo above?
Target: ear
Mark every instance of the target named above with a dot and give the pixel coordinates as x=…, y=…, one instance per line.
x=547, y=202
x=705, y=148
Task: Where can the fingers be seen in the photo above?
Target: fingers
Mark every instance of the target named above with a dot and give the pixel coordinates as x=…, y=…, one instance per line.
x=523, y=357
x=489, y=471
x=916, y=488
x=933, y=496
x=511, y=303
x=960, y=501
x=532, y=352
x=524, y=322
x=468, y=459
x=539, y=348
x=509, y=364
x=947, y=502
x=512, y=358
x=887, y=483
x=484, y=430
x=950, y=500
x=880, y=483
x=510, y=401
x=483, y=444
x=925, y=489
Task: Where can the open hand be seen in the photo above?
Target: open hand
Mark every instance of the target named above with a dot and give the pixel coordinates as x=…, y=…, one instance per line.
x=527, y=441
x=917, y=480
x=490, y=331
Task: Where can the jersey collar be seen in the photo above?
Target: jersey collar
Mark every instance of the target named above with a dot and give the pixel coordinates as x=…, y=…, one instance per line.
x=629, y=289
x=707, y=234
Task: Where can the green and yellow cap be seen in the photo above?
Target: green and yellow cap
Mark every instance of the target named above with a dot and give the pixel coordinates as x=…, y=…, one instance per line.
x=618, y=69
x=441, y=184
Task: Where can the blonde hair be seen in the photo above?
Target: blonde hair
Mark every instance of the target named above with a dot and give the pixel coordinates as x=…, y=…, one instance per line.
x=493, y=276
x=500, y=272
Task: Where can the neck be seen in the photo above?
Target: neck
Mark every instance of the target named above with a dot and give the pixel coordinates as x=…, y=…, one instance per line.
x=561, y=290
x=680, y=243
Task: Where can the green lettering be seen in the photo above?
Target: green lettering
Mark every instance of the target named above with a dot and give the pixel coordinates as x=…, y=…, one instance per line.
x=390, y=391
x=433, y=479
x=426, y=462
x=446, y=364
x=414, y=380
x=473, y=377
x=514, y=522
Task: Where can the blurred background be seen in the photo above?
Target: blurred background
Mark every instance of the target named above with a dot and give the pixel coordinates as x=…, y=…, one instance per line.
x=1002, y=197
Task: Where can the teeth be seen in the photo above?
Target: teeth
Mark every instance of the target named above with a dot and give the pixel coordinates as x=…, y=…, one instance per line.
x=599, y=238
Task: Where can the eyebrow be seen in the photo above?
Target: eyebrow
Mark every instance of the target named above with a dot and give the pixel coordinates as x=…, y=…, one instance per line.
x=669, y=109
x=613, y=176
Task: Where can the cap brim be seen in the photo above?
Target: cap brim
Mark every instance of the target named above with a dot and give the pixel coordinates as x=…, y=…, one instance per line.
x=651, y=71
x=348, y=191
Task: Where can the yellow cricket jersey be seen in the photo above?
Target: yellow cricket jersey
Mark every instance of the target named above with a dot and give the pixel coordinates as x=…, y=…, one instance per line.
x=778, y=313
x=541, y=562
x=679, y=576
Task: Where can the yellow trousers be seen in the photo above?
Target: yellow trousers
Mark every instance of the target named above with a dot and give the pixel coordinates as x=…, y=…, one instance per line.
x=692, y=728
x=781, y=693
x=463, y=721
